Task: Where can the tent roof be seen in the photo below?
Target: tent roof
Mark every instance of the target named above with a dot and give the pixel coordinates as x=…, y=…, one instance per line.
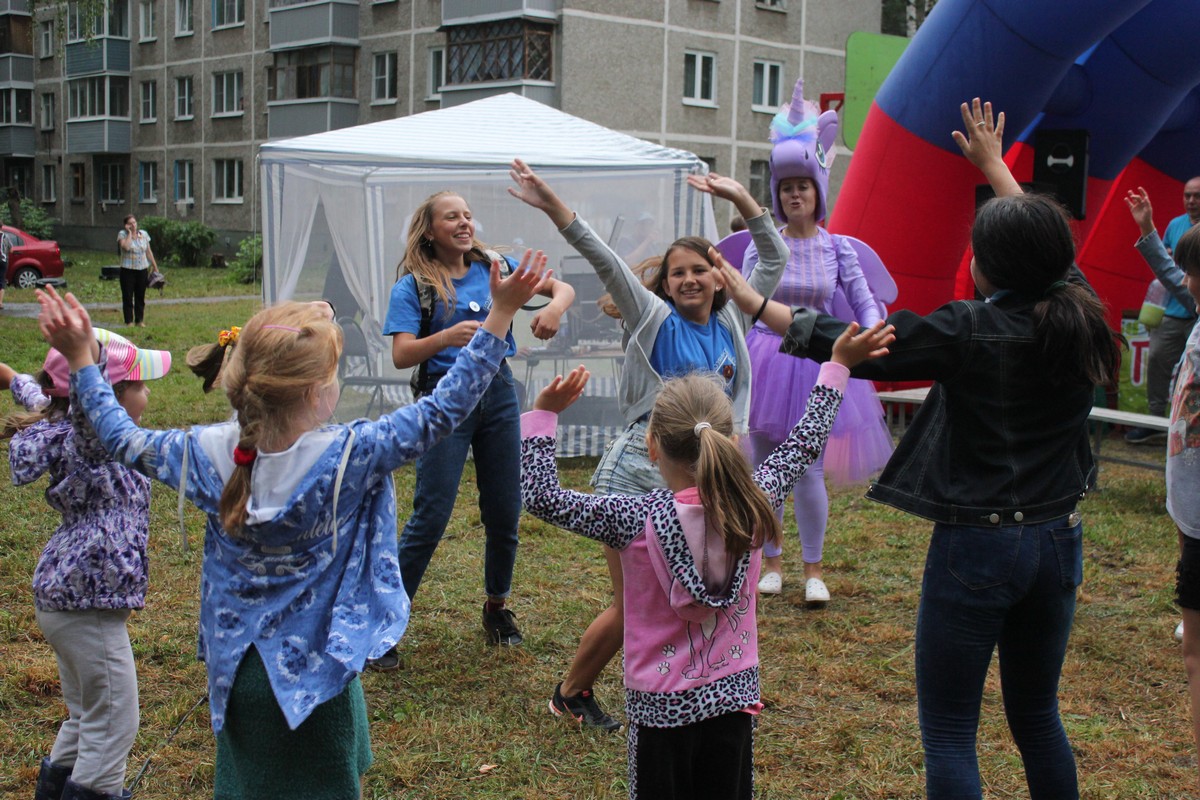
x=483, y=133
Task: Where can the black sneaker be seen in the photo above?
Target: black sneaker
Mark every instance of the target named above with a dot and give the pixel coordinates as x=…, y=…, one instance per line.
x=385, y=663
x=1144, y=436
x=582, y=708
x=501, y=627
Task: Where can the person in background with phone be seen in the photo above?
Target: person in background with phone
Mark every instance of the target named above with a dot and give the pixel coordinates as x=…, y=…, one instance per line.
x=137, y=259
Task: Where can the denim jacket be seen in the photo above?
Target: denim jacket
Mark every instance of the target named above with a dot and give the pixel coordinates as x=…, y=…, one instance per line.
x=997, y=442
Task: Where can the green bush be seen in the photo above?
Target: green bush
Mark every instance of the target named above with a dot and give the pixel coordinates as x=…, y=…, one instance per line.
x=34, y=219
x=179, y=244
x=246, y=266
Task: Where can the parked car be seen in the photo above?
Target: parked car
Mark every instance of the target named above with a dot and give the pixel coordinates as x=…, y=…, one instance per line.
x=30, y=259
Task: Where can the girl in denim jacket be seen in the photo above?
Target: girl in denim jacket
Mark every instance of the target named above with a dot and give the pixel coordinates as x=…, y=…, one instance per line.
x=998, y=457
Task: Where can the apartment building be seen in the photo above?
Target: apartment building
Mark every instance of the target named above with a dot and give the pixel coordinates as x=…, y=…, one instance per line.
x=159, y=106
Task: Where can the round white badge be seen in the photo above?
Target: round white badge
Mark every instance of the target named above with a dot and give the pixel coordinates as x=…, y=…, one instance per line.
x=473, y=306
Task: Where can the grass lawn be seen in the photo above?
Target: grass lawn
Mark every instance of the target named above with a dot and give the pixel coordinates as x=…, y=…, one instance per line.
x=464, y=720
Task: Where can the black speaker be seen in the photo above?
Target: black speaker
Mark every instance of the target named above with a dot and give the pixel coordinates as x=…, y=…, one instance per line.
x=1060, y=160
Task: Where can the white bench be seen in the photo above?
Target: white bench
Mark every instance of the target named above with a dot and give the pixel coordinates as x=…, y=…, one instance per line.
x=894, y=402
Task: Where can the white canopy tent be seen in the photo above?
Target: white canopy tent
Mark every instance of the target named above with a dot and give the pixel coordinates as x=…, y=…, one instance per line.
x=336, y=208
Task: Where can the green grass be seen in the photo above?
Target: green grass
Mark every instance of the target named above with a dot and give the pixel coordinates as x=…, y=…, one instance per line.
x=840, y=720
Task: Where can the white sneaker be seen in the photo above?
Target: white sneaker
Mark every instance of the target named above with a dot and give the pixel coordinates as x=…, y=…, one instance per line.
x=770, y=583
x=1179, y=631
x=816, y=593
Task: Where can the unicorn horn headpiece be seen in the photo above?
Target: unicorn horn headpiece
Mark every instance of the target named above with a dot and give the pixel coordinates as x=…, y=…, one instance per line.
x=803, y=138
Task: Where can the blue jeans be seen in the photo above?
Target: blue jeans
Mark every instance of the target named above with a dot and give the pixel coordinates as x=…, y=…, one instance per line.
x=988, y=587
x=625, y=467
x=493, y=433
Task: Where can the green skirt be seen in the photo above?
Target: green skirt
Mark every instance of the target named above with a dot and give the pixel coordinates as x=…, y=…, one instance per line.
x=259, y=756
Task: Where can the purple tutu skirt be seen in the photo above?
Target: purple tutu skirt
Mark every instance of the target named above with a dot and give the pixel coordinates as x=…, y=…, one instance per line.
x=860, y=442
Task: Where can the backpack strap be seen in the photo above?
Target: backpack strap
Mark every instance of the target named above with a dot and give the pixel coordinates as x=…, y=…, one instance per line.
x=427, y=296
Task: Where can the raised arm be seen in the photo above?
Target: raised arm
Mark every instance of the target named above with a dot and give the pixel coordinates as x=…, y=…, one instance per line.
x=1154, y=251
x=983, y=145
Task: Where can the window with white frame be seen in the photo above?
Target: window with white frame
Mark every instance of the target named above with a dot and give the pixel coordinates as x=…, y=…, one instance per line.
x=228, y=12
x=776, y=5
x=768, y=82
x=49, y=183
x=183, y=182
x=98, y=96
x=384, y=81
x=227, y=93
x=112, y=183
x=699, y=78
x=183, y=18
x=760, y=182
x=46, y=47
x=78, y=27
x=47, y=111
x=183, y=97
x=16, y=106
x=313, y=72
x=227, y=180
x=437, y=71
x=146, y=21
x=147, y=181
x=118, y=19
x=149, y=101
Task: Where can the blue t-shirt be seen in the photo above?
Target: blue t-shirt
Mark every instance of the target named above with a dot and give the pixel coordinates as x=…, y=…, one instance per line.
x=472, y=300
x=683, y=347
x=1176, y=228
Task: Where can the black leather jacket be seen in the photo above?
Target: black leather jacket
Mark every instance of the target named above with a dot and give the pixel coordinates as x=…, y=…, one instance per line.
x=996, y=442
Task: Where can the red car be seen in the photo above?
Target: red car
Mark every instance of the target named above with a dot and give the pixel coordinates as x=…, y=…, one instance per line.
x=30, y=259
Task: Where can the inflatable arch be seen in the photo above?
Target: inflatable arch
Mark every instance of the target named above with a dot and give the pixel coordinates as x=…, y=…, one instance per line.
x=1124, y=70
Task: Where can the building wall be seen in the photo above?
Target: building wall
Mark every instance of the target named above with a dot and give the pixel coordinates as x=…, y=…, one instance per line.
x=619, y=63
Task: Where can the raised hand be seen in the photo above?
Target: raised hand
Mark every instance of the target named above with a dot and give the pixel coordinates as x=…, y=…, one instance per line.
x=562, y=392
x=729, y=189
x=736, y=287
x=532, y=190
x=65, y=324
x=509, y=294
x=1140, y=208
x=983, y=145
x=855, y=345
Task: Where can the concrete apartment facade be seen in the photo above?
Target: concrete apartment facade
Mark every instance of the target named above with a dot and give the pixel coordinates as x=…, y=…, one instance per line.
x=162, y=109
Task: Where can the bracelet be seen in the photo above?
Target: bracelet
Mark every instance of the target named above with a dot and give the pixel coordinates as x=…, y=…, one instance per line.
x=760, y=311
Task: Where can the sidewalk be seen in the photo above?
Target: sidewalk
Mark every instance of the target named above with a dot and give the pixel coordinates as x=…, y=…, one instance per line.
x=30, y=310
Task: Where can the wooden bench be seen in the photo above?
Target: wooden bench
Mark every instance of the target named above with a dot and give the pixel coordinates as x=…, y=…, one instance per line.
x=894, y=407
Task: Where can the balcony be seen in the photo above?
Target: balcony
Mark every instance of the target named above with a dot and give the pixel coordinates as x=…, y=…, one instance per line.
x=466, y=12
x=104, y=54
x=16, y=69
x=303, y=24
x=544, y=92
x=17, y=140
x=287, y=118
x=101, y=135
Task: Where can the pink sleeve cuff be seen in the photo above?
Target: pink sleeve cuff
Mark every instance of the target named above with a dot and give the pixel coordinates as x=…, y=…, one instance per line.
x=538, y=423
x=833, y=375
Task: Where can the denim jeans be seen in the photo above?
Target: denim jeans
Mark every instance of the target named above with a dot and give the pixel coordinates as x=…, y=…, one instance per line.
x=493, y=433
x=625, y=467
x=988, y=587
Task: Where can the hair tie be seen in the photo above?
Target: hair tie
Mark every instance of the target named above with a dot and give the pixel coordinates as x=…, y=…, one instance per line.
x=701, y=426
x=280, y=328
x=244, y=456
x=226, y=338
x=1054, y=287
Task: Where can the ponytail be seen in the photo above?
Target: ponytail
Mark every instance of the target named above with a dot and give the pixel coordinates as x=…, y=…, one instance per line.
x=1075, y=343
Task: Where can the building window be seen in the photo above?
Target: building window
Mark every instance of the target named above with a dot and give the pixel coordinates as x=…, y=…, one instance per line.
x=146, y=21
x=507, y=50
x=760, y=182
x=437, y=72
x=384, y=84
x=768, y=78
x=112, y=183
x=49, y=183
x=47, y=108
x=16, y=106
x=228, y=12
x=227, y=180
x=147, y=181
x=775, y=5
x=699, y=78
x=227, y=93
x=183, y=18
x=183, y=182
x=20, y=177
x=149, y=101
x=46, y=49
x=313, y=72
x=98, y=96
x=118, y=18
x=84, y=23
x=78, y=184
x=183, y=97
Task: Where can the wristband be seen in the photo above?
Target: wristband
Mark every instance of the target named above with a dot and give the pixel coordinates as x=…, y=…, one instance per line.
x=760, y=311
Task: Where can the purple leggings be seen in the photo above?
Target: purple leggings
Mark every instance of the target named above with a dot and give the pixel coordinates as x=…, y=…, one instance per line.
x=810, y=502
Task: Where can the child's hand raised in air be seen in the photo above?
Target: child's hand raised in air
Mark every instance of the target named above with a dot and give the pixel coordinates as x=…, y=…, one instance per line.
x=736, y=288
x=562, y=392
x=532, y=190
x=65, y=324
x=1140, y=208
x=855, y=345
x=509, y=294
